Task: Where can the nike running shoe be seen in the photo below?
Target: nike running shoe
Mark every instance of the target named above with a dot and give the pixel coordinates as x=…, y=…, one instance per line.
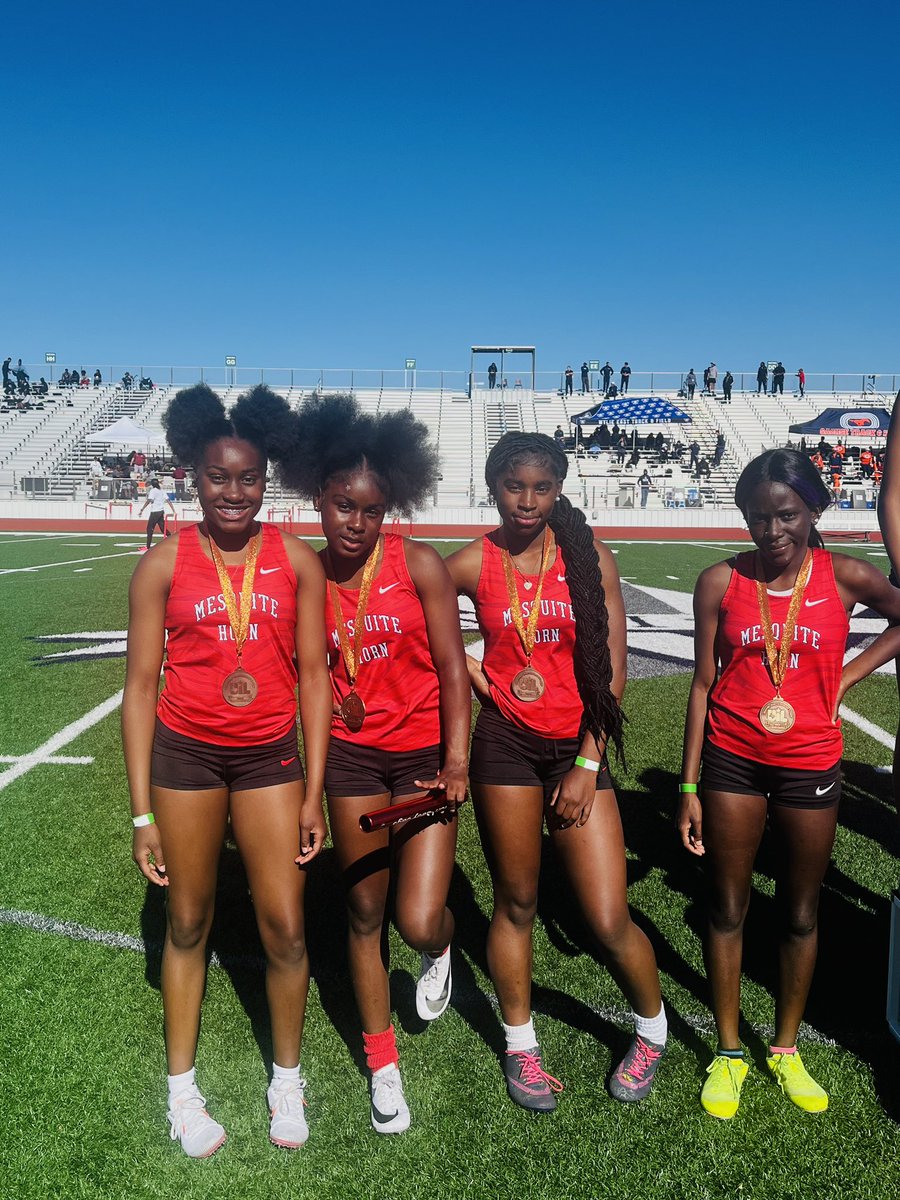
x=433, y=988
x=797, y=1083
x=191, y=1124
x=633, y=1077
x=390, y=1113
x=527, y=1082
x=287, y=1127
x=721, y=1093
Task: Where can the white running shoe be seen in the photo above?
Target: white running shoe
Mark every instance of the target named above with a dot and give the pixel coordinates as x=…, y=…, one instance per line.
x=288, y=1127
x=191, y=1124
x=433, y=988
x=390, y=1113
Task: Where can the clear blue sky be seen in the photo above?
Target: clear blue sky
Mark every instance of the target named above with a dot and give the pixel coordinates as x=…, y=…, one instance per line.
x=349, y=184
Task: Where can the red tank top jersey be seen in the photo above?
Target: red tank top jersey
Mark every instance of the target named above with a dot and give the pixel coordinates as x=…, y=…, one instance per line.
x=200, y=647
x=397, y=680
x=558, y=713
x=811, y=681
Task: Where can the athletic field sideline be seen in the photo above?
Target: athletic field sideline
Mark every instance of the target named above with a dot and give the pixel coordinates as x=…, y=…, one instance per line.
x=83, y=1111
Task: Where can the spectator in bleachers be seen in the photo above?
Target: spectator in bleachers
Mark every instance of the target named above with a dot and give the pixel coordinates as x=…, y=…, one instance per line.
x=710, y=375
x=836, y=468
x=138, y=462
x=720, y=449
x=695, y=454
x=98, y=378
x=727, y=384
x=559, y=435
x=612, y=392
x=801, y=379
x=492, y=375
x=127, y=381
x=778, y=379
x=645, y=483
x=6, y=363
x=607, y=375
x=762, y=378
x=73, y=378
x=625, y=375
x=621, y=445
x=702, y=470
x=179, y=478
x=690, y=383
x=585, y=380
x=569, y=376
x=84, y=381
x=677, y=450
x=867, y=463
x=841, y=449
x=43, y=387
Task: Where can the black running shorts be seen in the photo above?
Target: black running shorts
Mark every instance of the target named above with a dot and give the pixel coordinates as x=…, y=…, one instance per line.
x=186, y=765
x=503, y=755
x=723, y=771
x=352, y=770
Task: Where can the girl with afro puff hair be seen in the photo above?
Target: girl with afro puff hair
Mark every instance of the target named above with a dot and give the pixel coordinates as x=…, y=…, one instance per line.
x=232, y=610
x=549, y=604
x=401, y=709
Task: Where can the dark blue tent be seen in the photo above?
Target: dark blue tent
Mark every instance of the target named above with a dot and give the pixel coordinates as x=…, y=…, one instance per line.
x=846, y=422
x=632, y=410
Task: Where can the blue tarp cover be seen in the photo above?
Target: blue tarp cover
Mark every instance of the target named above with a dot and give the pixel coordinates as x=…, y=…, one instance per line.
x=845, y=422
x=632, y=410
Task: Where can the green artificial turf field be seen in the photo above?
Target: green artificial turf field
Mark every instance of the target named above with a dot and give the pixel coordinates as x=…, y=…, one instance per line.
x=83, y=1111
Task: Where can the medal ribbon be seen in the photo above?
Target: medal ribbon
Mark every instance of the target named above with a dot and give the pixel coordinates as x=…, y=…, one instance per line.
x=778, y=659
x=526, y=632
x=240, y=622
x=351, y=654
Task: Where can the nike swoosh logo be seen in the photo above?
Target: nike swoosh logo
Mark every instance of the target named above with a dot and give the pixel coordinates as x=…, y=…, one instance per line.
x=381, y=592
x=822, y=791
x=561, y=579
x=286, y=762
x=382, y=1118
x=268, y=570
x=813, y=603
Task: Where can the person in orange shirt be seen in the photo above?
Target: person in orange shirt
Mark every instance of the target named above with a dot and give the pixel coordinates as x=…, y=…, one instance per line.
x=867, y=462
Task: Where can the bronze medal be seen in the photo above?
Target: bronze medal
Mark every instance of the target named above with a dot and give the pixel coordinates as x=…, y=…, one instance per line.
x=240, y=688
x=353, y=712
x=528, y=685
x=777, y=715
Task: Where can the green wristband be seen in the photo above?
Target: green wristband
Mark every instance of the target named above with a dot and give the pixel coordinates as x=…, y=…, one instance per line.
x=144, y=819
x=588, y=763
x=687, y=787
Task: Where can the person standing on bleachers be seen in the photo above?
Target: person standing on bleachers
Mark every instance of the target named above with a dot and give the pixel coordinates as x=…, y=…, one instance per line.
x=492, y=375
x=570, y=375
x=585, y=380
x=690, y=383
x=762, y=378
x=625, y=375
x=607, y=375
x=727, y=384
x=778, y=379
x=98, y=378
x=801, y=380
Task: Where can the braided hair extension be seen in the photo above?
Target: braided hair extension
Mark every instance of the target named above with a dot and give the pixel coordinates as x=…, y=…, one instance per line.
x=335, y=439
x=196, y=417
x=791, y=468
x=591, y=660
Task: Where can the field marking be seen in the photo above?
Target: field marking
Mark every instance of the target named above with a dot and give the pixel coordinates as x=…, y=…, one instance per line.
x=874, y=731
x=74, y=931
x=43, y=753
x=68, y=563
x=65, y=760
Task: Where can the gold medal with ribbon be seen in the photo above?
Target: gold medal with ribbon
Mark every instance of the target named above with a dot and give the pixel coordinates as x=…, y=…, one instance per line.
x=353, y=710
x=777, y=715
x=529, y=684
x=239, y=688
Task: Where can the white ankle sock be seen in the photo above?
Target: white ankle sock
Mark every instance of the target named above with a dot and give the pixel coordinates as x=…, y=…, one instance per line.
x=179, y=1083
x=652, y=1029
x=285, y=1072
x=520, y=1037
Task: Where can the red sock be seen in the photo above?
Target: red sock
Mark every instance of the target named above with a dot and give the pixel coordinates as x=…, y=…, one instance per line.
x=380, y=1048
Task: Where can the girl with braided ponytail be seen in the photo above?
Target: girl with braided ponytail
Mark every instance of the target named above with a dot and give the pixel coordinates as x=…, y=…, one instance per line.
x=549, y=605
x=233, y=608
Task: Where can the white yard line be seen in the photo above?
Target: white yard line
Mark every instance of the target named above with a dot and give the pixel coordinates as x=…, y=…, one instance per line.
x=874, y=731
x=44, y=753
x=65, y=760
x=72, y=562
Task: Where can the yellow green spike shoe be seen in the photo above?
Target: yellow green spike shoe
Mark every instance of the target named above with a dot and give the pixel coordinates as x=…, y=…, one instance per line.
x=721, y=1093
x=797, y=1083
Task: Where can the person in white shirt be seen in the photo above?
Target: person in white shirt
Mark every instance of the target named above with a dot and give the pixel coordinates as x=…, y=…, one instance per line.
x=157, y=499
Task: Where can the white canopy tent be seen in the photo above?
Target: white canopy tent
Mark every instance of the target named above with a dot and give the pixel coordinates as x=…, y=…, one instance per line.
x=126, y=432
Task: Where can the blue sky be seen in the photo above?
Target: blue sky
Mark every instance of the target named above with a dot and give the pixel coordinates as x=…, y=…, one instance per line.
x=346, y=185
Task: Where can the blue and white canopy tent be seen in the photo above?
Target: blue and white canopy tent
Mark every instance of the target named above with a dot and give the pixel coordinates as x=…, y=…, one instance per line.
x=846, y=422
x=631, y=410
